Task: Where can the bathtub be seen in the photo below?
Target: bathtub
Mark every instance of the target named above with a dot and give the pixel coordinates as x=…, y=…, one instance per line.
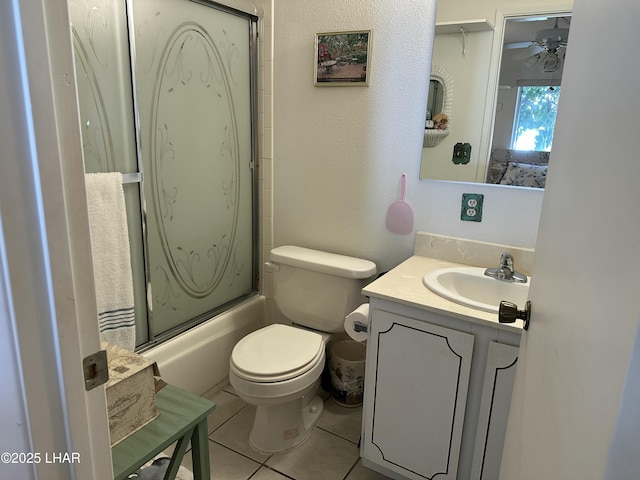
x=198, y=360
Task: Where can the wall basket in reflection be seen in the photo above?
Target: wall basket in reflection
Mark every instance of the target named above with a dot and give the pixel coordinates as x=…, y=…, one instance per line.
x=432, y=137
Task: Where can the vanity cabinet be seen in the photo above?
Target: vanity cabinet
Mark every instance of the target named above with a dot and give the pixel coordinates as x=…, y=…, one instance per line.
x=437, y=394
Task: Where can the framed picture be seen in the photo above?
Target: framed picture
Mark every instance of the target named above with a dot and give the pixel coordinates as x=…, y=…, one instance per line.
x=342, y=58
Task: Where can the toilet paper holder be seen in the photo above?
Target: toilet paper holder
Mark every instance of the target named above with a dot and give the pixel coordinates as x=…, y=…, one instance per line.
x=359, y=327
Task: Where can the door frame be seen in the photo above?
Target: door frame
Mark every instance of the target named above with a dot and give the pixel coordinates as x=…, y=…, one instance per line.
x=47, y=274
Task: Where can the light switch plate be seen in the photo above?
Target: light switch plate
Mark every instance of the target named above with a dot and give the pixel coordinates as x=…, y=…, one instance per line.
x=461, y=153
x=471, y=210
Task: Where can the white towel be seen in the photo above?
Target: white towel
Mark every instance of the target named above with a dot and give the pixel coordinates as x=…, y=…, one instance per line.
x=111, y=258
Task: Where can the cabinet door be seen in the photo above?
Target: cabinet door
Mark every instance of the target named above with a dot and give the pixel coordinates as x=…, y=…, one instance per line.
x=417, y=376
x=494, y=411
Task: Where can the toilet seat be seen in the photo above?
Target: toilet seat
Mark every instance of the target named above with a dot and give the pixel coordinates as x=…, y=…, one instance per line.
x=276, y=353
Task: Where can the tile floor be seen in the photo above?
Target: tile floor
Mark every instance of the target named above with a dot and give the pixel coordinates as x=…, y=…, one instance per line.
x=330, y=452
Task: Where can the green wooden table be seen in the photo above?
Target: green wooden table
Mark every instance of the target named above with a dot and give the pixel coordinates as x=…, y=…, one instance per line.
x=183, y=417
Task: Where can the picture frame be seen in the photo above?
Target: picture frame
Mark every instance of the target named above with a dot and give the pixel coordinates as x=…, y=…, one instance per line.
x=342, y=58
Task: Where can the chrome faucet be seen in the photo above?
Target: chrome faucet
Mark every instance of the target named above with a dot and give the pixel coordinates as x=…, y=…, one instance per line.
x=505, y=271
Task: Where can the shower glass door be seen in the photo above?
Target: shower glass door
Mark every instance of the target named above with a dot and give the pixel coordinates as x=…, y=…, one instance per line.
x=193, y=87
x=167, y=87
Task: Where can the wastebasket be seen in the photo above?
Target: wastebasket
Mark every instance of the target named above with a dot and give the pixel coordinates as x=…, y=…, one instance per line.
x=346, y=367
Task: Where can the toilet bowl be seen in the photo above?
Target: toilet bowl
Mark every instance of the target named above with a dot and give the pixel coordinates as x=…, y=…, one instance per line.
x=278, y=367
x=282, y=384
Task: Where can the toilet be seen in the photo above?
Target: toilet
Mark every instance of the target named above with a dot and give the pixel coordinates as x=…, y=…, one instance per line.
x=278, y=367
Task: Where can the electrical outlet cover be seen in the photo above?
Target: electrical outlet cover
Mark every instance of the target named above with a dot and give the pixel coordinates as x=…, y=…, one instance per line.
x=471, y=210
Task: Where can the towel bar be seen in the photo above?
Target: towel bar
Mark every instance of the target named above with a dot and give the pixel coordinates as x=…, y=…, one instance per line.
x=135, y=177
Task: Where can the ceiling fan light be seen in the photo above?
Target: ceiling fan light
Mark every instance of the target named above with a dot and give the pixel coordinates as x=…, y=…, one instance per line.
x=550, y=63
x=532, y=61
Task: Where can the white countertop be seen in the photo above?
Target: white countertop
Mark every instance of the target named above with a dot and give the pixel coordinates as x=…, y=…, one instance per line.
x=403, y=284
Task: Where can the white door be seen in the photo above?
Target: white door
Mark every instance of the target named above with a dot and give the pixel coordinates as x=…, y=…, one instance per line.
x=586, y=289
x=51, y=427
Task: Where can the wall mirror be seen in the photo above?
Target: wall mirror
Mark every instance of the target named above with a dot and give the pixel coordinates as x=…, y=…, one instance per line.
x=522, y=94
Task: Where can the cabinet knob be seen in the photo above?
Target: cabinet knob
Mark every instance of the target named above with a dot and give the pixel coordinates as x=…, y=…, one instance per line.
x=508, y=313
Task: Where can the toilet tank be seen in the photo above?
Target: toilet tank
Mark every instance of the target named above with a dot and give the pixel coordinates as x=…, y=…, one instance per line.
x=318, y=289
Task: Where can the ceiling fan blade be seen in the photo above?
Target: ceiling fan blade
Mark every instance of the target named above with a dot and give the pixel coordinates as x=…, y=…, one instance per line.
x=529, y=52
x=510, y=46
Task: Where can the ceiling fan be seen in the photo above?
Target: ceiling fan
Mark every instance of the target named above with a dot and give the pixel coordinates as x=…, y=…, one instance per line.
x=549, y=40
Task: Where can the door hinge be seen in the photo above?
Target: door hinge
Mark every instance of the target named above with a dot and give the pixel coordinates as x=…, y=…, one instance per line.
x=96, y=370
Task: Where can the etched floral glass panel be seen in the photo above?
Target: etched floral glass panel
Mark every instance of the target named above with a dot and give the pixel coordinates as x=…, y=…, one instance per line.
x=193, y=83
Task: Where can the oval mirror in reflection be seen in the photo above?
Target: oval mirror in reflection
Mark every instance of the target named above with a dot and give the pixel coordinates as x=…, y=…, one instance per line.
x=439, y=107
x=436, y=97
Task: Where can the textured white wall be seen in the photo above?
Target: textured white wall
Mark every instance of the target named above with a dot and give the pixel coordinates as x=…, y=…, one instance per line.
x=339, y=152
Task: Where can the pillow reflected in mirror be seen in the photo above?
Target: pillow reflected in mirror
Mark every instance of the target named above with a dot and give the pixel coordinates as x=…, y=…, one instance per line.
x=525, y=175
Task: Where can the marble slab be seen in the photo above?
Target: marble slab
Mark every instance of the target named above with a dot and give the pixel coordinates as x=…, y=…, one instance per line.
x=472, y=252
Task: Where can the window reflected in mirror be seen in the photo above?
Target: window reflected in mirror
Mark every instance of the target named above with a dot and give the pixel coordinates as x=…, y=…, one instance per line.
x=535, y=118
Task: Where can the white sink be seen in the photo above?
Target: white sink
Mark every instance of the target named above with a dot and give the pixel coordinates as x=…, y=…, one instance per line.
x=469, y=286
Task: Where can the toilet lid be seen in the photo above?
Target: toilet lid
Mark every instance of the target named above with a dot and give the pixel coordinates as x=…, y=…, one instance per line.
x=276, y=353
